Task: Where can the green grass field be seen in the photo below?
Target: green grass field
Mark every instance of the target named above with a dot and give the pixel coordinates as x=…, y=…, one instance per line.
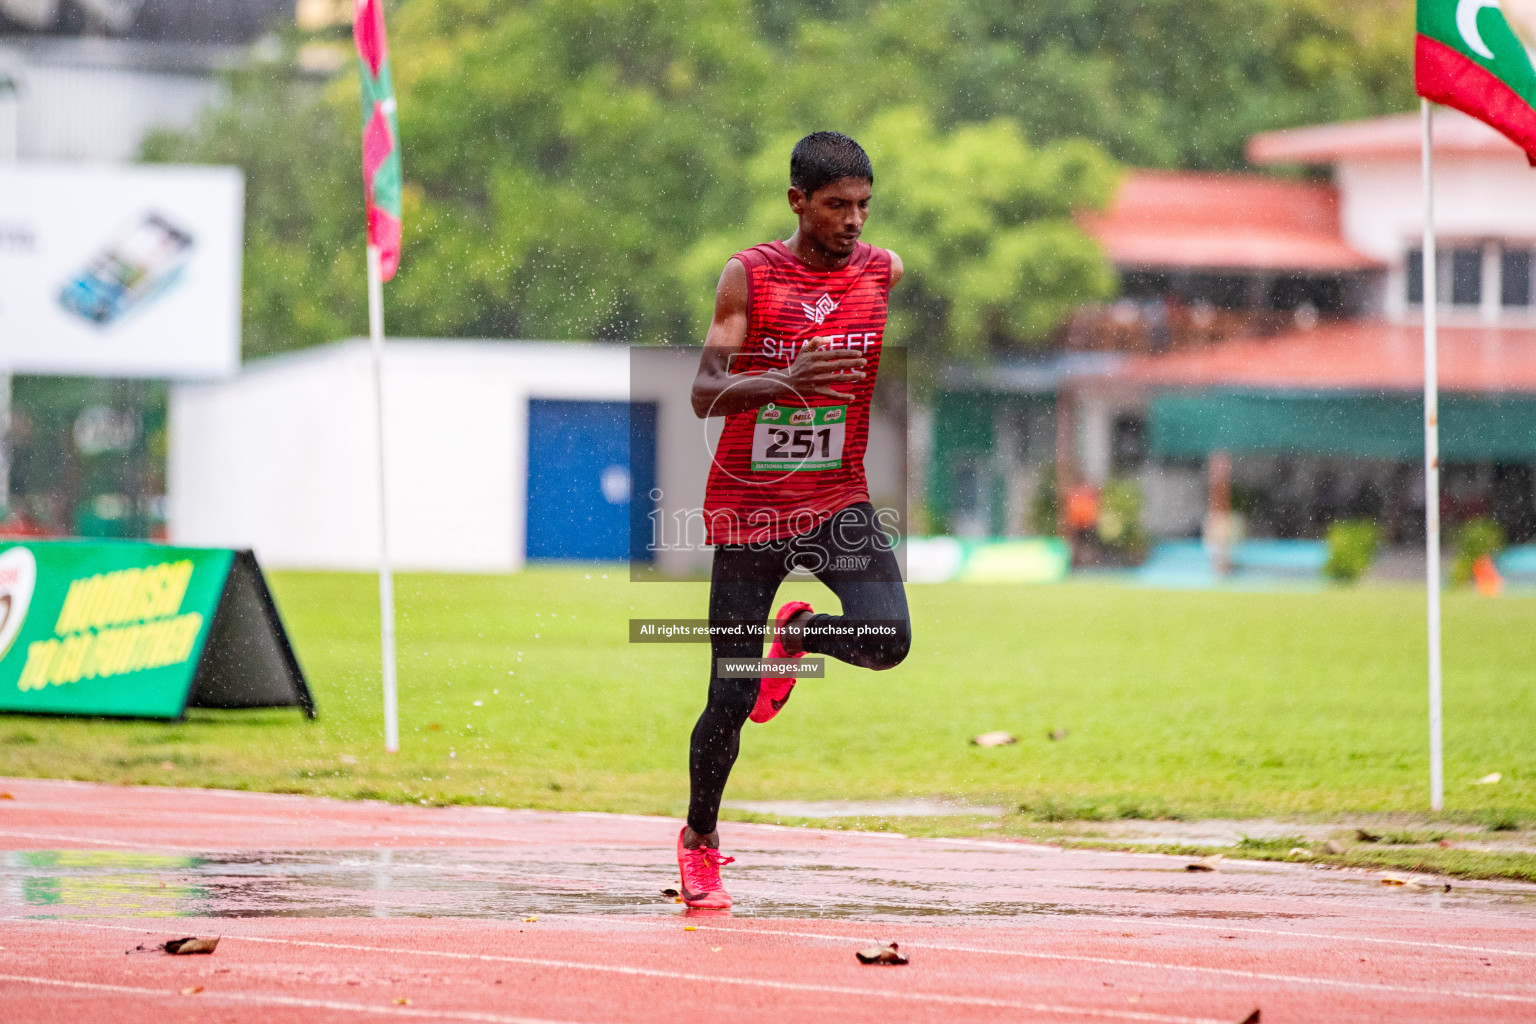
x=522, y=690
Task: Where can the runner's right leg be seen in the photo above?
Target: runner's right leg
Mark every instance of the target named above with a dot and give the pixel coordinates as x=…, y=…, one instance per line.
x=742, y=584
x=741, y=588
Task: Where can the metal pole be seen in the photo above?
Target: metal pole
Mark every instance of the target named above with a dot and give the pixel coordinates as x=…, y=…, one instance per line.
x=5, y=443
x=1432, y=464
x=10, y=135
x=386, y=577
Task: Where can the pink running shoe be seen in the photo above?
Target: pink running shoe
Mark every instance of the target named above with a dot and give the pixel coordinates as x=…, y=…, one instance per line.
x=700, y=871
x=773, y=691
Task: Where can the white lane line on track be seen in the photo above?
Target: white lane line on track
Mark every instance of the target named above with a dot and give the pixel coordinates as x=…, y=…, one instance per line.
x=649, y=972
x=366, y=829
x=86, y=840
x=25, y=782
x=1145, y=922
x=274, y=1000
x=1299, y=979
x=1321, y=935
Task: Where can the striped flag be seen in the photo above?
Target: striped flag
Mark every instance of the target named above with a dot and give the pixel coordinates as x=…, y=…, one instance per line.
x=381, y=135
x=1472, y=55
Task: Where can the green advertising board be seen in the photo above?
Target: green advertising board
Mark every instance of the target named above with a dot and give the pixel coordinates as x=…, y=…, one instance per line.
x=140, y=630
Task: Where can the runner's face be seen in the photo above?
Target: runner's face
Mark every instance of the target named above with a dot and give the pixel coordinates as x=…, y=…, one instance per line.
x=833, y=216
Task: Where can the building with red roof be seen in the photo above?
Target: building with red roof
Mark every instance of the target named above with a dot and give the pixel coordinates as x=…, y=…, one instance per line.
x=1226, y=222
x=1271, y=326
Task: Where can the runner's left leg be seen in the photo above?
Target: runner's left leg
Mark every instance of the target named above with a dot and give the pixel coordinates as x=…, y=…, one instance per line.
x=854, y=558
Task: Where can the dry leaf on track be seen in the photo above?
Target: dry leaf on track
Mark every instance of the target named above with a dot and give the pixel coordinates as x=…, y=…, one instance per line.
x=882, y=955
x=1210, y=863
x=191, y=990
x=1410, y=882
x=191, y=944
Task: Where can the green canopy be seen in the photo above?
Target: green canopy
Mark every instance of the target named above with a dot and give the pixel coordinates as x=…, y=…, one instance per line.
x=1473, y=428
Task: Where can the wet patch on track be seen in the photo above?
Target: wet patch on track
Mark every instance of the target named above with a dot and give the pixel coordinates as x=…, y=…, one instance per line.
x=511, y=883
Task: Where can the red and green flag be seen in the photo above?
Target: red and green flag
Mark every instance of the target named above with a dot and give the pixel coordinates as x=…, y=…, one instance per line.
x=381, y=135
x=1471, y=55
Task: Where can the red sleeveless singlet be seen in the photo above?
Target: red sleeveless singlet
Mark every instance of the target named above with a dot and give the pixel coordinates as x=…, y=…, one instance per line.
x=781, y=470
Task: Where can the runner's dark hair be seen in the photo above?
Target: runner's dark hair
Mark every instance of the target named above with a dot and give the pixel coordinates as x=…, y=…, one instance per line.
x=821, y=158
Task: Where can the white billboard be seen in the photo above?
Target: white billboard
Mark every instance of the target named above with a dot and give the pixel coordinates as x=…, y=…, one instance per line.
x=120, y=270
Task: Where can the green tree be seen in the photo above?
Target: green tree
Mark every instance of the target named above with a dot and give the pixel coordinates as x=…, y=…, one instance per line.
x=558, y=155
x=303, y=204
x=982, y=220
x=581, y=168
x=1167, y=83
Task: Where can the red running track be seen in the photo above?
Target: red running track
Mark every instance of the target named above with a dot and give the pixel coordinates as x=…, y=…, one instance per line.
x=337, y=911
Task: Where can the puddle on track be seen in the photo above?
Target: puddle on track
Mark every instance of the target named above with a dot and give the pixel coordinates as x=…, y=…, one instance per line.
x=505, y=884
x=478, y=883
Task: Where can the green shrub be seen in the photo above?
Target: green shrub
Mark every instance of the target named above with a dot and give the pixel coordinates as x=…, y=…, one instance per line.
x=1120, y=516
x=1272, y=844
x=1351, y=549
x=1502, y=821
x=1043, y=509
x=1476, y=538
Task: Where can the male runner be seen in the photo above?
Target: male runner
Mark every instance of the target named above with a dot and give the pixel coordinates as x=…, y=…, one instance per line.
x=790, y=361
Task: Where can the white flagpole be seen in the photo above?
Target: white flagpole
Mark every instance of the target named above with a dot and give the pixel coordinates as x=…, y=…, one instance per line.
x=1432, y=463
x=386, y=576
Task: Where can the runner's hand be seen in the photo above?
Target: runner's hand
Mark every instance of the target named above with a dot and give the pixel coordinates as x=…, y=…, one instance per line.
x=817, y=368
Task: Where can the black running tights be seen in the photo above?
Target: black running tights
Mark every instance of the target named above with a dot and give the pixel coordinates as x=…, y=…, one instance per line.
x=852, y=557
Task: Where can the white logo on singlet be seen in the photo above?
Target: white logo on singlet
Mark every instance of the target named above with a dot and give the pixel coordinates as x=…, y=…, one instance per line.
x=819, y=312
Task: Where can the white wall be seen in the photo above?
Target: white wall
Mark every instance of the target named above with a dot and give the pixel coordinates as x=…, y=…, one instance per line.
x=1174, y=500
x=1476, y=198
x=75, y=113
x=282, y=458
x=94, y=99
x=685, y=446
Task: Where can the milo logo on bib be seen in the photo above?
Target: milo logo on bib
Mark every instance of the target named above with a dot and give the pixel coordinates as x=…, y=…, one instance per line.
x=811, y=440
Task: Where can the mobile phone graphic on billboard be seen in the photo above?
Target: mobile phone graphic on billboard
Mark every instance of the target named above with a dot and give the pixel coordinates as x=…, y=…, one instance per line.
x=128, y=273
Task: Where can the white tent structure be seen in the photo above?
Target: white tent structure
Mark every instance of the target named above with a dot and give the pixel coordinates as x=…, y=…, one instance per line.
x=283, y=458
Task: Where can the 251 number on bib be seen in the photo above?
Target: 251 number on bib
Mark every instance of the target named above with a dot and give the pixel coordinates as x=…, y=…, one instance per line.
x=799, y=440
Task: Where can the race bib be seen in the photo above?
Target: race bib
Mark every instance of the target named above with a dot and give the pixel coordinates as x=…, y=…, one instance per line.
x=799, y=440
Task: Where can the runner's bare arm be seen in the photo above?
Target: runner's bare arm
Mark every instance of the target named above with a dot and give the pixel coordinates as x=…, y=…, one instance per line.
x=719, y=392
x=897, y=269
